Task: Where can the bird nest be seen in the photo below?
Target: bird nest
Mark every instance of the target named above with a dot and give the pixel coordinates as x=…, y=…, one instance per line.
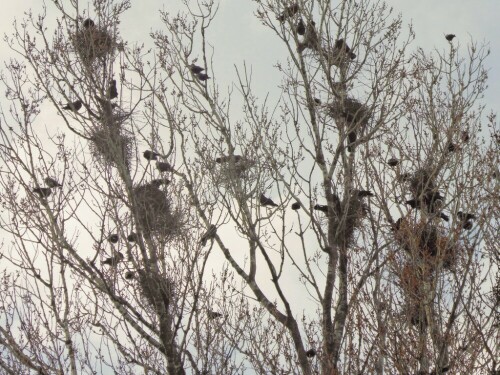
x=351, y=110
x=422, y=240
x=352, y=213
x=158, y=289
x=111, y=147
x=93, y=43
x=422, y=183
x=154, y=211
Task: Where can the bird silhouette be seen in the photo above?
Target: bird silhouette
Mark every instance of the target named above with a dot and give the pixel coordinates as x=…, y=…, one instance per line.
x=449, y=37
x=342, y=46
x=209, y=234
x=51, y=183
x=88, y=23
x=295, y=206
x=213, y=315
x=42, y=192
x=74, y=106
x=363, y=193
x=225, y=159
x=203, y=77
x=444, y=217
x=310, y=353
x=352, y=139
x=129, y=275
x=451, y=147
x=112, y=90
x=467, y=225
x=301, y=27
x=113, y=238
x=288, y=12
x=195, y=69
x=321, y=207
x=392, y=162
x=264, y=201
x=465, y=216
x=311, y=39
x=150, y=155
x=163, y=167
x=113, y=261
x=132, y=237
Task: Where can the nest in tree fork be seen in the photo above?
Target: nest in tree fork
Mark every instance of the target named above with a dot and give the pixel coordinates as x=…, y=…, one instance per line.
x=351, y=110
x=422, y=183
x=93, y=43
x=156, y=288
x=110, y=146
x=353, y=210
x=154, y=212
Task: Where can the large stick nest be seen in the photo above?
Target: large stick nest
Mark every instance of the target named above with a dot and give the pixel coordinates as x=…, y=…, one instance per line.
x=93, y=43
x=353, y=210
x=157, y=289
x=351, y=110
x=110, y=146
x=154, y=211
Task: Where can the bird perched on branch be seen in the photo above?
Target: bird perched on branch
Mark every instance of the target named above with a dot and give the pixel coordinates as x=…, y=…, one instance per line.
x=295, y=206
x=225, y=159
x=213, y=315
x=321, y=207
x=150, y=155
x=392, y=162
x=112, y=90
x=88, y=23
x=310, y=353
x=449, y=37
x=113, y=261
x=195, y=69
x=363, y=193
x=288, y=12
x=74, y=106
x=209, y=234
x=51, y=183
x=132, y=237
x=301, y=27
x=311, y=39
x=42, y=192
x=466, y=219
x=264, y=201
x=342, y=47
x=129, y=275
x=203, y=77
x=113, y=238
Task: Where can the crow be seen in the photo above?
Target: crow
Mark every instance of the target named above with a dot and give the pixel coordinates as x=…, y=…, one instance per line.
x=317, y=101
x=311, y=39
x=163, y=167
x=113, y=261
x=51, y=183
x=42, y=192
x=363, y=193
x=444, y=217
x=413, y=203
x=88, y=23
x=343, y=47
x=264, y=201
x=392, y=162
x=112, y=90
x=465, y=216
x=295, y=206
x=203, y=76
x=209, y=234
x=195, y=69
x=301, y=27
x=288, y=12
x=451, y=147
x=150, y=155
x=467, y=225
x=321, y=207
x=113, y=238
x=352, y=139
x=310, y=353
x=132, y=237
x=225, y=159
x=129, y=275
x=75, y=106
x=449, y=37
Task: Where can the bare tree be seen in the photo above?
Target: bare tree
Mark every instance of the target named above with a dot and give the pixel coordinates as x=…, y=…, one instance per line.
x=349, y=226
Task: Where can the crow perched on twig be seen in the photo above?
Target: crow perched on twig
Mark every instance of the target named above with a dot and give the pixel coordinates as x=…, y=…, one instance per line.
x=466, y=219
x=209, y=234
x=113, y=238
x=88, y=23
x=342, y=46
x=163, y=167
x=301, y=27
x=203, y=77
x=129, y=275
x=75, y=106
x=132, y=237
x=264, y=201
x=213, y=315
x=42, y=192
x=51, y=183
x=449, y=37
x=392, y=162
x=150, y=155
x=321, y=207
x=112, y=90
x=195, y=69
x=363, y=193
x=295, y=206
x=113, y=261
x=310, y=353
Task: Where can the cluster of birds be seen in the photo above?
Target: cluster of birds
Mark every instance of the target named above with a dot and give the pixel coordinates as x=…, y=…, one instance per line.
x=198, y=72
x=45, y=192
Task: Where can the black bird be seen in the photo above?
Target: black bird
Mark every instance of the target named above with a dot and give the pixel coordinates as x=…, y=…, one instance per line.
x=413, y=203
x=397, y=225
x=449, y=37
x=209, y=234
x=311, y=39
x=342, y=46
x=352, y=138
x=113, y=238
x=392, y=162
x=132, y=237
x=444, y=217
x=310, y=353
x=301, y=27
x=467, y=225
x=129, y=275
x=214, y=315
x=75, y=106
x=451, y=147
x=264, y=201
x=163, y=167
x=51, y=183
x=42, y=192
x=203, y=76
x=195, y=69
x=112, y=90
x=321, y=207
x=364, y=193
x=295, y=206
x=88, y=23
x=317, y=101
x=465, y=216
x=150, y=155
x=113, y=261
x=288, y=12
x=225, y=159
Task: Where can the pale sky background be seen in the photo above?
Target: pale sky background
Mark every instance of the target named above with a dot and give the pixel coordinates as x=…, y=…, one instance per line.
x=239, y=37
